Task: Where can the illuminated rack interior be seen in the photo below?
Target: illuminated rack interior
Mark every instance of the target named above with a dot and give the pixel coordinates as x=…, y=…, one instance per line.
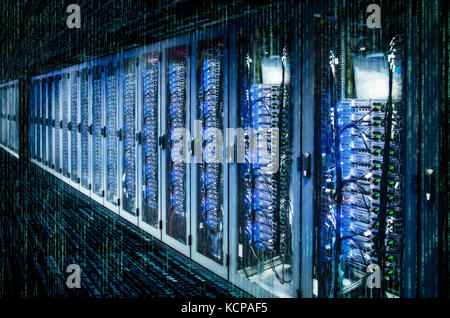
x=265, y=202
x=150, y=82
x=129, y=135
x=111, y=133
x=210, y=175
x=360, y=184
x=177, y=118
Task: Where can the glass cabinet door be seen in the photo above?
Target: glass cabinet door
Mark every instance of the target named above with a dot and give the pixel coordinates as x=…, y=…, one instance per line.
x=129, y=167
x=16, y=104
x=210, y=224
x=38, y=120
x=359, y=73
x=57, y=120
x=44, y=121
x=65, y=80
x=84, y=120
x=111, y=101
x=176, y=217
x=74, y=133
x=97, y=131
x=50, y=134
x=150, y=133
x=265, y=262
x=50, y=117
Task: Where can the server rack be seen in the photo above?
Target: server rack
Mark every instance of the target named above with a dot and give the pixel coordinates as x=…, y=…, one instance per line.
x=74, y=127
x=264, y=207
x=128, y=133
x=38, y=107
x=209, y=168
x=97, y=130
x=9, y=127
x=50, y=126
x=360, y=169
x=85, y=125
x=57, y=127
x=175, y=117
x=42, y=122
x=64, y=125
x=112, y=98
x=148, y=138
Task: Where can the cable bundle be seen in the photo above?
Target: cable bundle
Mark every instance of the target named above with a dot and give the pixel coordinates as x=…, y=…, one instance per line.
x=84, y=129
x=64, y=118
x=38, y=119
x=44, y=115
x=129, y=156
x=49, y=127
x=111, y=138
x=97, y=139
x=210, y=174
x=177, y=119
x=57, y=129
x=150, y=142
x=74, y=131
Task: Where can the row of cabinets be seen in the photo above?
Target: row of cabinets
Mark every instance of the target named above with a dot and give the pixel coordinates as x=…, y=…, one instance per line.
x=113, y=128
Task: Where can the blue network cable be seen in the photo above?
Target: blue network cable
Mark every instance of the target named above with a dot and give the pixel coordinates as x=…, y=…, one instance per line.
x=84, y=114
x=65, y=132
x=44, y=115
x=74, y=131
x=150, y=142
x=177, y=119
x=111, y=130
x=129, y=156
x=57, y=129
x=50, y=118
x=97, y=132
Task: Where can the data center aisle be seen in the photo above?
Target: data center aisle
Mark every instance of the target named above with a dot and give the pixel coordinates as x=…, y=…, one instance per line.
x=45, y=225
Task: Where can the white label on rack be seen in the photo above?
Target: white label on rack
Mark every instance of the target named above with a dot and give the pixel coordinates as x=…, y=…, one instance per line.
x=240, y=250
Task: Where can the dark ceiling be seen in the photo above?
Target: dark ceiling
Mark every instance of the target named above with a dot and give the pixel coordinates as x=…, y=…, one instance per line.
x=36, y=40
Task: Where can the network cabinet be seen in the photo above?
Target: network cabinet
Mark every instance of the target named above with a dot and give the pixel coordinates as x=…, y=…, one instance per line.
x=176, y=230
x=363, y=152
x=9, y=120
x=209, y=118
x=264, y=222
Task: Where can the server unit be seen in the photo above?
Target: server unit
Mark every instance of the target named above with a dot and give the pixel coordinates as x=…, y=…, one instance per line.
x=176, y=144
x=264, y=216
x=74, y=128
x=112, y=97
x=362, y=176
x=97, y=130
x=148, y=139
x=209, y=169
x=9, y=121
x=49, y=124
x=128, y=133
